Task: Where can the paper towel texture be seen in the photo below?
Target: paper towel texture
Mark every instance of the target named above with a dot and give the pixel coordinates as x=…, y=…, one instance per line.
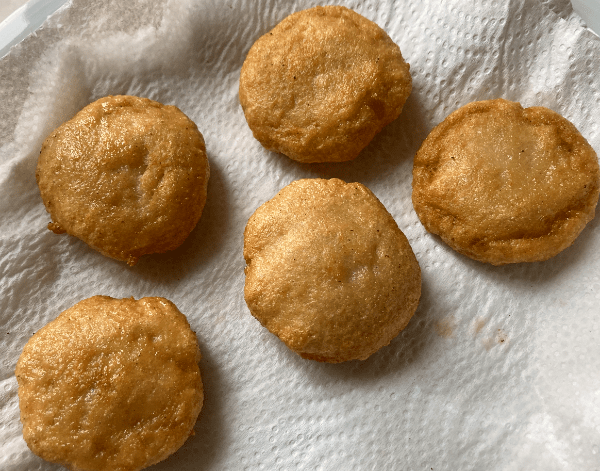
x=498, y=369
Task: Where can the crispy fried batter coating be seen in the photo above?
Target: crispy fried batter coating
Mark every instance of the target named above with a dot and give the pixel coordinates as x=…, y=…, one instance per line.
x=110, y=384
x=322, y=84
x=329, y=271
x=502, y=184
x=126, y=175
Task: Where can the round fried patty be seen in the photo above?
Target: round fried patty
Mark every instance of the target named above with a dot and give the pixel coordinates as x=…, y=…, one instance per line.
x=322, y=84
x=110, y=384
x=126, y=175
x=502, y=184
x=329, y=271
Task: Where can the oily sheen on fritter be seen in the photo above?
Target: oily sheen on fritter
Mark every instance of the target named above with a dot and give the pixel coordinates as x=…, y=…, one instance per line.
x=126, y=175
x=110, y=385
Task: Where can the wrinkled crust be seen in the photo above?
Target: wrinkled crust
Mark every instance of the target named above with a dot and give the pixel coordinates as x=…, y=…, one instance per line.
x=322, y=84
x=328, y=271
x=126, y=175
x=110, y=384
x=502, y=184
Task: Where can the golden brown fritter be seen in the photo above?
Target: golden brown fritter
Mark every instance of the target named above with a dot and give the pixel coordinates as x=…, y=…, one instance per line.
x=126, y=175
x=322, y=84
x=329, y=271
x=110, y=384
x=502, y=184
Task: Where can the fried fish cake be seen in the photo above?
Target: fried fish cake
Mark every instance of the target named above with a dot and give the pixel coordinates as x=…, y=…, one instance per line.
x=110, y=384
x=328, y=270
x=322, y=84
x=502, y=184
x=126, y=175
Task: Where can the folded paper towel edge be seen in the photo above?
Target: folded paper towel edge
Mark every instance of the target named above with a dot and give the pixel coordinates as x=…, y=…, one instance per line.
x=589, y=11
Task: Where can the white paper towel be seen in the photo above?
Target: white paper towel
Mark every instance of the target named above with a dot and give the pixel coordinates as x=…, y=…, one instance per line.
x=500, y=367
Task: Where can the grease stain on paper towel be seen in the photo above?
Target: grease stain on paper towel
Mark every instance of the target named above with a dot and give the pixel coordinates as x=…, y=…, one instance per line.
x=445, y=327
x=479, y=324
x=499, y=336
